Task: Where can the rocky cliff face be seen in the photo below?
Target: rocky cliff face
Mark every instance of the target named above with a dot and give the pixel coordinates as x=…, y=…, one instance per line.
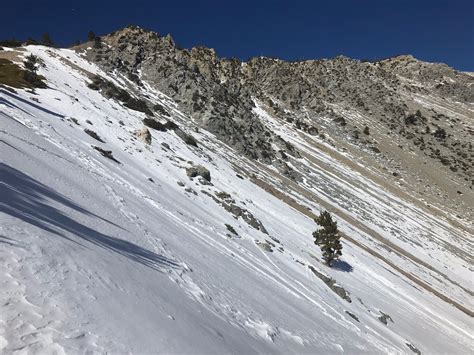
x=194, y=78
x=404, y=113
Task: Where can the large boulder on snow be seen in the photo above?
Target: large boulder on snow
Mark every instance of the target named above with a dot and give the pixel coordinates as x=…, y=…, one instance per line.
x=199, y=170
x=144, y=135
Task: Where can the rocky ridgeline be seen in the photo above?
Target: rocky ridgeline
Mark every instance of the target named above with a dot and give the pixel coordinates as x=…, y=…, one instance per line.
x=436, y=77
x=219, y=93
x=191, y=78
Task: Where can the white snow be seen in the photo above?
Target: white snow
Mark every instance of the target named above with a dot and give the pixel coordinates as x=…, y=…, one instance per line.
x=94, y=257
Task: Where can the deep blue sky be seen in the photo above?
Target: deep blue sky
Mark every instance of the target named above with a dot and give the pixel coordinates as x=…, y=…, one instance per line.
x=432, y=30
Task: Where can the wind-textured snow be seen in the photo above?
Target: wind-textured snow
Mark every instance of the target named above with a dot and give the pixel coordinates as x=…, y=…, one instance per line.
x=100, y=256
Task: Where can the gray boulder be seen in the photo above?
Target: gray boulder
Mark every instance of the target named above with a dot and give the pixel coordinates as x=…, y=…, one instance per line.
x=199, y=170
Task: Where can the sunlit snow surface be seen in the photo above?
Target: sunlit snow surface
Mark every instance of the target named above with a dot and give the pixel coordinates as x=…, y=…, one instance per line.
x=96, y=257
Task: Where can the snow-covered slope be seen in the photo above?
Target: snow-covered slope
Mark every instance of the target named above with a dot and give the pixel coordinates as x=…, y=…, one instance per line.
x=134, y=256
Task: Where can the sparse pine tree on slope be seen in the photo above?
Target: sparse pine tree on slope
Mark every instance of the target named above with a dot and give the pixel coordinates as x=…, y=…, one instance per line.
x=30, y=75
x=46, y=40
x=328, y=237
x=30, y=63
x=90, y=36
x=97, y=42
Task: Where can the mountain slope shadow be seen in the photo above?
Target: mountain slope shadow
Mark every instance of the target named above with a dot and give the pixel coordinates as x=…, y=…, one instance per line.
x=27, y=199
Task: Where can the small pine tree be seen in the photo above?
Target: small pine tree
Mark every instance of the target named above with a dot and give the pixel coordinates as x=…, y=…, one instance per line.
x=31, y=41
x=97, y=42
x=46, y=40
x=328, y=237
x=30, y=73
x=366, y=130
x=91, y=36
x=30, y=63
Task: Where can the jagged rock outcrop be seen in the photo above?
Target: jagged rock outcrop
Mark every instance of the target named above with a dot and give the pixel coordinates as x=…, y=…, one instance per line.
x=190, y=77
x=339, y=96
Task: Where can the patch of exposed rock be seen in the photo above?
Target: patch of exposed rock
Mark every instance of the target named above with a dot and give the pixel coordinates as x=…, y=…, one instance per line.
x=201, y=82
x=228, y=203
x=384, y=318
x=199, y=170
x=333, y=98
x=331, y=283
x=144, y=135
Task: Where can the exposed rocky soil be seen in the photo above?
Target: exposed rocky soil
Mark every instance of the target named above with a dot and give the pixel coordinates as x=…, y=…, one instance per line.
x=409, y=120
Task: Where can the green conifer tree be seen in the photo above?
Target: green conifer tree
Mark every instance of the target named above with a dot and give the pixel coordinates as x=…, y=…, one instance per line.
x=97, y=43
x=328, y=237
x=46, y=40
x=30, y=63
x=90, y=36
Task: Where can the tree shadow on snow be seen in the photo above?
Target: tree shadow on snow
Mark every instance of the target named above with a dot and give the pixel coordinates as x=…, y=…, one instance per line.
x=341, y=265
x=30, y=103
x=29, y=200
x=8, y=241
x=12, y=105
